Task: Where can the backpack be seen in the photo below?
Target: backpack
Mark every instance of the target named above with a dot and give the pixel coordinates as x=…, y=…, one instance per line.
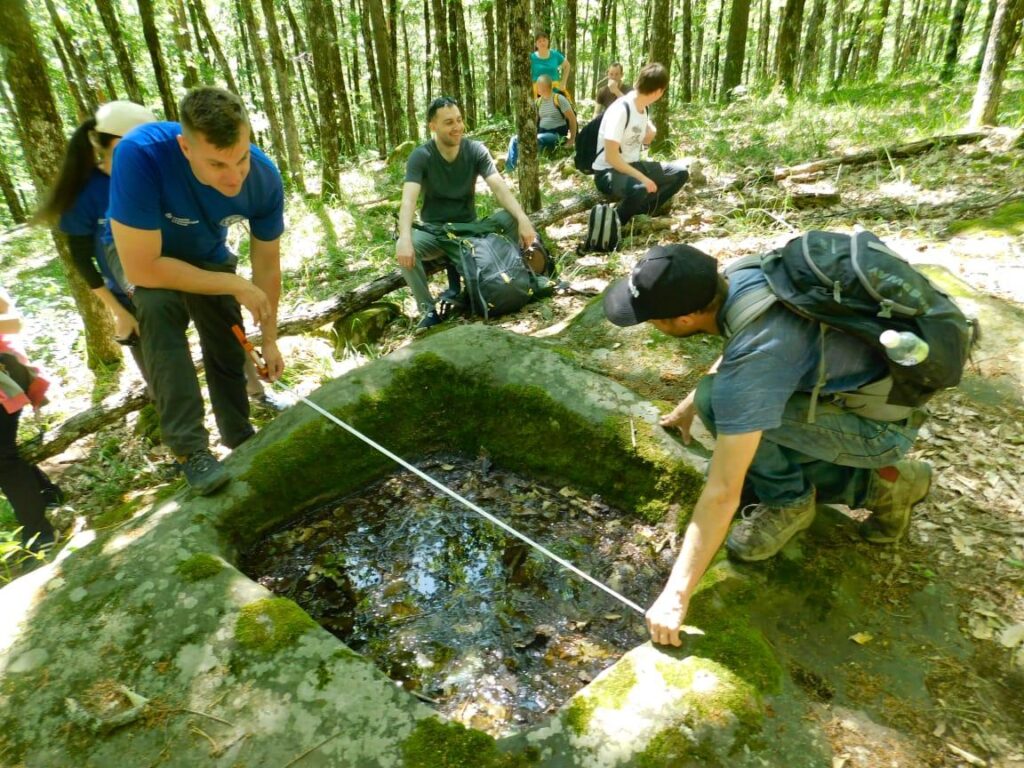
x=857, y=285
x=586, y=144
x=603, y=229
x=498, y=280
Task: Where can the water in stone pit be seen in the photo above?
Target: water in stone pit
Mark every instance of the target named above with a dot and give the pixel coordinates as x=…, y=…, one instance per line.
x=456, y=609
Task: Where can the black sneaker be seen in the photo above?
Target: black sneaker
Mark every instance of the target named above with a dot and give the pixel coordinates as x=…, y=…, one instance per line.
x=204, y=473
x=429, y=320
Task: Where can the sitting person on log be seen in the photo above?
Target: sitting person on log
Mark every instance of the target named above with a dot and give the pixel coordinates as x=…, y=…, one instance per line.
x=174, y=191
x=759, y=399
x=639, y=186
x=446, y=169
x=556, y=122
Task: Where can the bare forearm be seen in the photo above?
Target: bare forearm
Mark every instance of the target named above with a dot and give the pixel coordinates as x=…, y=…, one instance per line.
x=616, y=161
x=10, y=323
x=508, y=201
x=178, y=275
x=704, y=536
x=268, y=279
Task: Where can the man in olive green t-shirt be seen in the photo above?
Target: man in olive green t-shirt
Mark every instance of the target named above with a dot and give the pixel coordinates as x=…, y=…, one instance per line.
x=446, y=169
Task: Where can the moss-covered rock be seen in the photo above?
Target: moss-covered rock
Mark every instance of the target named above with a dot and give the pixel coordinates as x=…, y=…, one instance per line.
x=436, y=744
x=201, y=565
x=271, y=624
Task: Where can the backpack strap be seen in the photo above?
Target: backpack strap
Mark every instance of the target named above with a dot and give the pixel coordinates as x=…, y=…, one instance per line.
x=751, y=305
x=601, y=148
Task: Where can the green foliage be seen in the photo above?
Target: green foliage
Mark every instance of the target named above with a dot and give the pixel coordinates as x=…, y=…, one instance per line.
x=1007, y=220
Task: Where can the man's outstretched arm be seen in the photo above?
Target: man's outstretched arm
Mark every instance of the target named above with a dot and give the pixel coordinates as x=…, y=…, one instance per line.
x=704, y=535
x=508, y=201
x=403, y=248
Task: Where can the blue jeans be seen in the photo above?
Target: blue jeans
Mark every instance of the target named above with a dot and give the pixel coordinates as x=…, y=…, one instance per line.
x=834, y=455
x=546, y=142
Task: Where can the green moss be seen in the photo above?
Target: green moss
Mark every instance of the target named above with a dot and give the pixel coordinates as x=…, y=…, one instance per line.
x=271, y=624
x=520, y=427
x=1007, y=220
x=670, y=747
x=437, y=744
x=609, y=692
x=200, y=566
x=576, y=717
x=721, y=694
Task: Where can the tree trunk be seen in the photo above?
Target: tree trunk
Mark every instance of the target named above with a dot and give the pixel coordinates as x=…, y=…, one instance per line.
x=711, y=84
x=348, y=144
x=387, y=77
x=571, y=15
x=410, y=93
x=163, y=81
x=986, y=33
x=489, y=34
x=542, y=16
x=10, y=193
x=44, y=145
x=445, y=60
x=453, y=52
x=686, y=71
x=661, y=52
x=428, y=65
x=124, y=61
x=1001, y=42
x=813, y=44
x=851, y=41
x=956, y=32
x=788, y=44
x=214, y=43
x=267, y=88
x=380, y=126
x=897, y=36
x=183, y=42
x=600, y=43
x=81, y=106
x=520, y=45
x=698, y=51
x=764, y=41
x=735, y=46
x=465, y=64
x=358, y=102
x=323, y=79
x=246, y=70
x=284, y=90
x=838, y=12
x=302, y=59
x=869, y=69
x=90, y=96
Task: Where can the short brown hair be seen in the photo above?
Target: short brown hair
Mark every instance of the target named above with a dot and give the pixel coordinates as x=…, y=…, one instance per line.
x=217, y=114
x=653, y=77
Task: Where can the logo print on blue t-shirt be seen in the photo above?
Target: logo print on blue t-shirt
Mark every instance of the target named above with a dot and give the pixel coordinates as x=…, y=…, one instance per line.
x=234, y=218
x=181, y=221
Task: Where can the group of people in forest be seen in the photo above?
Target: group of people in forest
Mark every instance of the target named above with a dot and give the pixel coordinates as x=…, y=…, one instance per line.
x=148, y=230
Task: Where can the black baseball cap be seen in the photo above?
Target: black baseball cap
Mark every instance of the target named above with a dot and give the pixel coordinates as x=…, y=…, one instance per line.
x=669, y=281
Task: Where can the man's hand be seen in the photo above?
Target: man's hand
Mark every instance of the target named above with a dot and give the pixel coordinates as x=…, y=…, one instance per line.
x=125, y=324
x=405, y=253
x=256, y=301
x=274, y=361
x=649, y=185
x=665, y=617
x=527, y=234
x=681, y=418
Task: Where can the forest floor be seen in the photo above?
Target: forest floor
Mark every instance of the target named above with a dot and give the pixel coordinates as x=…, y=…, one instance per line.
x=940, y=207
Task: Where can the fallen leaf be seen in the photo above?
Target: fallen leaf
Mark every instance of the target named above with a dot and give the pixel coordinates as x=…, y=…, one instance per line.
x=1012, y=636
x=447, y=467
x=980, y=629
x=612, y=616
x=862, y=638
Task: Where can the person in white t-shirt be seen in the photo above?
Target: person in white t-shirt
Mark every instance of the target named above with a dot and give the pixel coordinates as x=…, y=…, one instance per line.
x=640, y=186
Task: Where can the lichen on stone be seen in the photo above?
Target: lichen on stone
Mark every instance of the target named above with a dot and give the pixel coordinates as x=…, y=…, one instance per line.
x=201, y=565
x=437, y=744
x=271, y=624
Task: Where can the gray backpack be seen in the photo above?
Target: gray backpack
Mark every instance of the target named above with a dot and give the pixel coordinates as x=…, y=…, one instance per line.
x=497, y=279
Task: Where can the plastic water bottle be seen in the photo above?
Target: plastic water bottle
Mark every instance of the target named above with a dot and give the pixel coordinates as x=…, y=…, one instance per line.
x=904, y=347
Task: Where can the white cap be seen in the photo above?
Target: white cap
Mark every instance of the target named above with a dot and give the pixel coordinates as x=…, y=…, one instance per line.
x=119, y=117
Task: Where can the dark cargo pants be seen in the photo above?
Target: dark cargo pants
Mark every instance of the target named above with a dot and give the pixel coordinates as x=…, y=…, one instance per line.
x=633, y=196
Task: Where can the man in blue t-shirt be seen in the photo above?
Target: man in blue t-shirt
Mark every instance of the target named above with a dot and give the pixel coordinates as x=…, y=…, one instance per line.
x=757, y=401
x=175, y=190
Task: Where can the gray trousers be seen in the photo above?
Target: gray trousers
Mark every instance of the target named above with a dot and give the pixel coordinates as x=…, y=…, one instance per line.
x=163, y=319
x=430, y=247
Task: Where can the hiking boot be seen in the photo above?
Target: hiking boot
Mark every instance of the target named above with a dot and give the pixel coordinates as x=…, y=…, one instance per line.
x=892, y=492
x=204, y=473
x=763, y=530
x=429, y=320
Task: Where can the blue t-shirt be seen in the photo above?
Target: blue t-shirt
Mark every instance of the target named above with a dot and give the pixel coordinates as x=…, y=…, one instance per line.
x=548, y=66
x=153, y=187
x=776, y=356
x=87, y=217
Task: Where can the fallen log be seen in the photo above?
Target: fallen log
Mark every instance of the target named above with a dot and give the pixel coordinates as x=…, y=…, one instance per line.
x=302, y=320
x=896, y=210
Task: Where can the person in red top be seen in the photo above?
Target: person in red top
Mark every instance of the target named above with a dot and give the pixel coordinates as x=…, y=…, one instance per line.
x=26, y=487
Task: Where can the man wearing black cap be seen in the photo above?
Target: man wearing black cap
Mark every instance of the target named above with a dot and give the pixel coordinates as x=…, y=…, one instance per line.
x=756, y=400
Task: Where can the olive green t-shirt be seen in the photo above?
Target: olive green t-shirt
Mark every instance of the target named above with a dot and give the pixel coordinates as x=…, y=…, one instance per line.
x=449, y=188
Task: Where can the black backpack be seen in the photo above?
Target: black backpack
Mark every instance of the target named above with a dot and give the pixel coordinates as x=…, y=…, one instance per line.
x=498, y=281
x=858, y=285
x=603, y=229
x=586, y=144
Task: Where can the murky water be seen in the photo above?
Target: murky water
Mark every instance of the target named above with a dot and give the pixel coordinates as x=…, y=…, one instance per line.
x=494, y=633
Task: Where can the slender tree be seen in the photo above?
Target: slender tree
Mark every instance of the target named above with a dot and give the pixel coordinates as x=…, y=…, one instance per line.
x=867, y=69
x=124, y=60
x=410, y=93
x=387, y=77
x=380, y=126
x=43, y=142
x=428, y=96
x=156, y=56
x=1001, y=42
x=735, y=46
x=445, y=59
x=661, y=51
x=301, y=61
x=953, y=38
x=347, y=139
x=764, y=34
x=78, y=63
x=242, y=44
x=788, y=44
x=270, y=101
x=465, y=62
x=814, y=42
x=488, y=11
x=284, y=90
x=520, y=38
x=76, y=91
x=10, y=193
x=686, y=70
x=183, y=44
x=501, y=101
x=571, y=13
x=985, y=35
x=214, y=43
x=323, y=79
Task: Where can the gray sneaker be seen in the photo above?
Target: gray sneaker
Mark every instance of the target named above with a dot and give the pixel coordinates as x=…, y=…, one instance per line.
x=763, y=530
x=204, y=473
x=892, y=493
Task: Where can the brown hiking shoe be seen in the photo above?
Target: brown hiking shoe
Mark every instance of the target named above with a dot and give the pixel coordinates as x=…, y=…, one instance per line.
x=763, y=530
x=892, y=492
